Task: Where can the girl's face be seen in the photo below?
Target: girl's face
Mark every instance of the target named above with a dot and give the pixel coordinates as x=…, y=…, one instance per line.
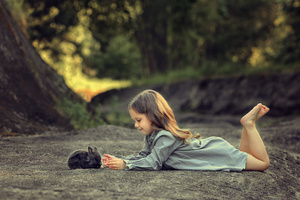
x=141, y=122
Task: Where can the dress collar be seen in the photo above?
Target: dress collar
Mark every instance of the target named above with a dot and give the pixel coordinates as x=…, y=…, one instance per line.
x=151, y=137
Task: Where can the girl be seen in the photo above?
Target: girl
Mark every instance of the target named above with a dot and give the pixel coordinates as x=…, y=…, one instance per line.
x=169, y=147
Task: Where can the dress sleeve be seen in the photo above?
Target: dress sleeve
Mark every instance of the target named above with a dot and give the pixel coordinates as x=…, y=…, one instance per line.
x=164, y=145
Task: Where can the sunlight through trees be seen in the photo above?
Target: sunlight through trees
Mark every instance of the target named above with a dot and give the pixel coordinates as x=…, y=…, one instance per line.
x=131, y=40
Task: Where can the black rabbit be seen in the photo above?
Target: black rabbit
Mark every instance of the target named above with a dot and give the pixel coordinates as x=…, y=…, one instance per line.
x=84, y=159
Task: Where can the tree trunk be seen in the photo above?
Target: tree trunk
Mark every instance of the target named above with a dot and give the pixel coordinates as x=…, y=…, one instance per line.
x=151, y=35
x=29, y=88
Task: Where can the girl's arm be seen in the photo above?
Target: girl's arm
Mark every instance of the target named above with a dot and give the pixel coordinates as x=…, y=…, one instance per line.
x=165, y=144
x=142, y=154
x=116, y=163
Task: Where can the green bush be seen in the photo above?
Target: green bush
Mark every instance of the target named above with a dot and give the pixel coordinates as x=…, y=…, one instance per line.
x=121, y=60
x=79, y=117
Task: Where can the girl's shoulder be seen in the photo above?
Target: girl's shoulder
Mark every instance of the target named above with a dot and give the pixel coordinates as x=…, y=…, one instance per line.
x=165, y=135
x=164, y=138
x=161, y=135
x=157, y=134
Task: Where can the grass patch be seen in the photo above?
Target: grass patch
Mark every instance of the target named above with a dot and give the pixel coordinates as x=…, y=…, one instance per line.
x=212, y=69
x=172, y=76
x=78, y=115
x=119, y=119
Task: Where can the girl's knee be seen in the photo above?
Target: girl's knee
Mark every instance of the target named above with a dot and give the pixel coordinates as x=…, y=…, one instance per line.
x=255, y=164
x=267, y=165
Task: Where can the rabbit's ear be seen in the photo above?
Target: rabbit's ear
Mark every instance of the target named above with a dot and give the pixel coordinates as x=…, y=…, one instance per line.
x=95, y=149
x=90, y=150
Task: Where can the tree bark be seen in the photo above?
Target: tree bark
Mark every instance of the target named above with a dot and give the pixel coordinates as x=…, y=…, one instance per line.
x=29, y=88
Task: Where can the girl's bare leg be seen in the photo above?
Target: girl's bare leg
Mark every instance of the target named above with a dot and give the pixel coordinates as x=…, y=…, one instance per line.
x=251, y=141
x=244, y=144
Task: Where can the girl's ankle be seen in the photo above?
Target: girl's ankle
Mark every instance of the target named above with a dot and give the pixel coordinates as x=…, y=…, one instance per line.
x=249, y=124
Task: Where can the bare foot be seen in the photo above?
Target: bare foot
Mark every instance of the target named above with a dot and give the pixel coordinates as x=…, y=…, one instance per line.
x=263, y=110
x=251, y=117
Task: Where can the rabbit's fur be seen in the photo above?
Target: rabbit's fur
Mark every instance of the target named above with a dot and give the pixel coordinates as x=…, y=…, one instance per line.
x=85, y=159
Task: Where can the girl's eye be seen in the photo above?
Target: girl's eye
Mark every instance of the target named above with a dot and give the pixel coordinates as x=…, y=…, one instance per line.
x=137, y=120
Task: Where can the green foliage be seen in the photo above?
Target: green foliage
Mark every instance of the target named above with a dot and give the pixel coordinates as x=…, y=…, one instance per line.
x=121, y=60
x=50, y=19
x=133, y=38
x=176, y=75
x=212, y=69
x=116, y=117
x=79, y=117
x=220, y=30
x=289, y=48
x=119, y=119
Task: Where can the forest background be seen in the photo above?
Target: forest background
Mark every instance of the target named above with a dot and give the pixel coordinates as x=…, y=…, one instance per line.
x=98, y=45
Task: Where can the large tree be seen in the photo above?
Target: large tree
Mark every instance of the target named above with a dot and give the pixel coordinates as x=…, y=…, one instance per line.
x=29, y=88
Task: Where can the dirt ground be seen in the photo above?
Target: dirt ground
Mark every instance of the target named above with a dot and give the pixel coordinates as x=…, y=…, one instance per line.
x=35, y=166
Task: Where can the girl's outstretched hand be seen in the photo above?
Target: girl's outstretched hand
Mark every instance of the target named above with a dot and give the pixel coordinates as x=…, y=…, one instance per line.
x=113, y=162
x=116, y=163
x=106, y=159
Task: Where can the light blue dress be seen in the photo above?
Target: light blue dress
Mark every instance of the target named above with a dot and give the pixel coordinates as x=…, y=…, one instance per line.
x=162, y=150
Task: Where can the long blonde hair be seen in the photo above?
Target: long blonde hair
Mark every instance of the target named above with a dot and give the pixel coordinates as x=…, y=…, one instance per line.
x=158, y=111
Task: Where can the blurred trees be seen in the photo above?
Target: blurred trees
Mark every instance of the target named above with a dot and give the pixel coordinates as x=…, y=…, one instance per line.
x=219, y=31
x=289, y=49
x=128, y=39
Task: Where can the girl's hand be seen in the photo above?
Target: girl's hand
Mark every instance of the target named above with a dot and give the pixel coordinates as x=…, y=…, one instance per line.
x=116, y=163
x=106, y=159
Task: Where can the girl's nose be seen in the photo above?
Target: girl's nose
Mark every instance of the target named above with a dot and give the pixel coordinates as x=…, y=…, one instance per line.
x=136, y=125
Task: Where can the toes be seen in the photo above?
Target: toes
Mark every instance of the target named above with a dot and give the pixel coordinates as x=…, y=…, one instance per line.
x=259, y=105
x=266, y=109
